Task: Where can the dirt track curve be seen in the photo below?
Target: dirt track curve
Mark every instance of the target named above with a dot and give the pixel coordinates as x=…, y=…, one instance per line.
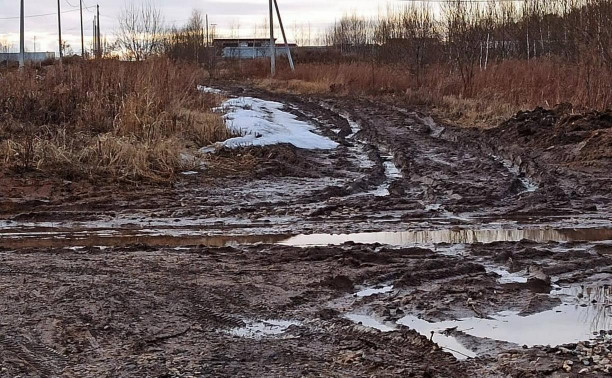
x=243, y=272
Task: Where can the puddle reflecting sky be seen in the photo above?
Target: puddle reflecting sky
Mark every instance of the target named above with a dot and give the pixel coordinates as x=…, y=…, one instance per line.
x=454, y=236
x=563, y=325
x=189, y=237
x=584, y=313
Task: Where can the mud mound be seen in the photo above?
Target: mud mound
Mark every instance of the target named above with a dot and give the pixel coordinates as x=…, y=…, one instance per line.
x=575, y=139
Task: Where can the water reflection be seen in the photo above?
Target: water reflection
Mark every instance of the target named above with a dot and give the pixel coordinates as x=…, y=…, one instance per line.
x=91, y=239
x=194, y=236
x=595, y=304
x=585, y=312
x=454, y=236
x=562, y=325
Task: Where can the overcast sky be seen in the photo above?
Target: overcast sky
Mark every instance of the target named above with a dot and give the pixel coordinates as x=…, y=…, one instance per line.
x=228, y=14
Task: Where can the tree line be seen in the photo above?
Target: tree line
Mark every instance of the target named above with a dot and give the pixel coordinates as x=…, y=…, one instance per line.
x=469, y=35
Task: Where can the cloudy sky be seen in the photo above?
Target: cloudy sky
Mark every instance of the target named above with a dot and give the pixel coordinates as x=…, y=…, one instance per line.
x=241, y=16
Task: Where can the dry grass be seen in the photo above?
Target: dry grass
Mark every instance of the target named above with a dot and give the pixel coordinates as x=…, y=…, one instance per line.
x=118, y=120
x=498, y=92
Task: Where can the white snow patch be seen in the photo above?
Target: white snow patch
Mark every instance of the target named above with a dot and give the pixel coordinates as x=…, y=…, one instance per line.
x=189, y=173
x=210, y=90
x=261, y=329
x=263, y=123
x=373, y=291
x=208, y=150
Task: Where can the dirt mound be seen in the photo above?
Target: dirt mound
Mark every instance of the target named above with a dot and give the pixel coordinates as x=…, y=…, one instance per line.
x=583, y=139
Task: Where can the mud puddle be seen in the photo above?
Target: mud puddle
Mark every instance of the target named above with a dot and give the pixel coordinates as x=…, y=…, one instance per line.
x=584, y=314
x=106, y=239
x=392, y=173
x=565, y=324
x=195, y=237
x=529, y=185
x=370, y=322
x=454, y=236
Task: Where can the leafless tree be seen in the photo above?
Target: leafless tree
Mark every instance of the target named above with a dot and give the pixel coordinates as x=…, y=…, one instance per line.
x=4, y=46
x=141, y=31
x=465, y=33
x=352, y=35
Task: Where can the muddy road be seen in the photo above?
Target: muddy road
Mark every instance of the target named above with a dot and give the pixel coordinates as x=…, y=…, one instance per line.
x=410, y=248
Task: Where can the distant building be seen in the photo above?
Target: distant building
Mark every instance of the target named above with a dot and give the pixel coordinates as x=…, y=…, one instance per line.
x=248, y=48
x=35, y=57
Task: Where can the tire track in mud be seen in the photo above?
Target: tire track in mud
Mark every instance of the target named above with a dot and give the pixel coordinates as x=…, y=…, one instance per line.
x=421, y=166
x=393, y=168
x=156, y=301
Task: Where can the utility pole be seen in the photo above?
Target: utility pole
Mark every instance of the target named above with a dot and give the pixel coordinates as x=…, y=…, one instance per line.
x=94, y=43
x=82, y=36
x=34, y=43
x=59, y=28
x=98, y=32
x=207, y=40
x=280, y=22
x=272, y=43
x=22, y=38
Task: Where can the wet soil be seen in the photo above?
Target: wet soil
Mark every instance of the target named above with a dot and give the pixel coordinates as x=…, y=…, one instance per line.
x=110, y=280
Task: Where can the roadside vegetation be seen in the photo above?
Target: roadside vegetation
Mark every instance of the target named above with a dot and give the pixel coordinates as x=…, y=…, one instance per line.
x=477, y=63
x=126, y=121
x=474, y=63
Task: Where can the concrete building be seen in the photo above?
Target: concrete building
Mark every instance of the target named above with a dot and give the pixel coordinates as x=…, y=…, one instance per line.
x=35, y=57
x=248, y=48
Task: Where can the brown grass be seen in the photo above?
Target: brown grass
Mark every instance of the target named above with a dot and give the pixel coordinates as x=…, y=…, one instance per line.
x=498, y=92
x=119, y=120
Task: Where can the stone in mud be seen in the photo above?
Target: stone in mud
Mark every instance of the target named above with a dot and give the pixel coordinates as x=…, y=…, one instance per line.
x=540, y=303
x=517, y=186
x=340, y=283
x=538, y=281
x=503, y=256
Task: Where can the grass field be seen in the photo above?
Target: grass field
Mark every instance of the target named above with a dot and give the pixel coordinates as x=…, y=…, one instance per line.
x=105, y=119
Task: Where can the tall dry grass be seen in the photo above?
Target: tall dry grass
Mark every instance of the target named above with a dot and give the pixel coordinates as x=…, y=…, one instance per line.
x=498, y=92
x=477, y=62
x=121, y=120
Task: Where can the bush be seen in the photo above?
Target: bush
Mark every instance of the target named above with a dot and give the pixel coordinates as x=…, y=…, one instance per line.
x=121, y=120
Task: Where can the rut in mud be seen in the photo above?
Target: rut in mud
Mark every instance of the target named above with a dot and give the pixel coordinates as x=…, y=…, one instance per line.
x=446, y=234
x=392, y=168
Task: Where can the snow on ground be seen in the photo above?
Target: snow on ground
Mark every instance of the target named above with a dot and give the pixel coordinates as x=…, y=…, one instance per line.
x=265, y=328
x=263, y=123
x=368, y=292
x=210, y=90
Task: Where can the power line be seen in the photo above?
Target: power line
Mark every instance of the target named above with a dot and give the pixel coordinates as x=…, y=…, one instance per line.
x=77, y=6
x=87, y=7
x=39, y=15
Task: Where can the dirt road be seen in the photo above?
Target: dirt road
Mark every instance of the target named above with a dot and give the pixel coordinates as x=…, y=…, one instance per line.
x=413, y=248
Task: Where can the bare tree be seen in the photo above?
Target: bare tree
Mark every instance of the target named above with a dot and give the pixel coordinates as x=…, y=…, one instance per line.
x=465, y=31
x=187, y=42
x=5, y=46
x=141, y=31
